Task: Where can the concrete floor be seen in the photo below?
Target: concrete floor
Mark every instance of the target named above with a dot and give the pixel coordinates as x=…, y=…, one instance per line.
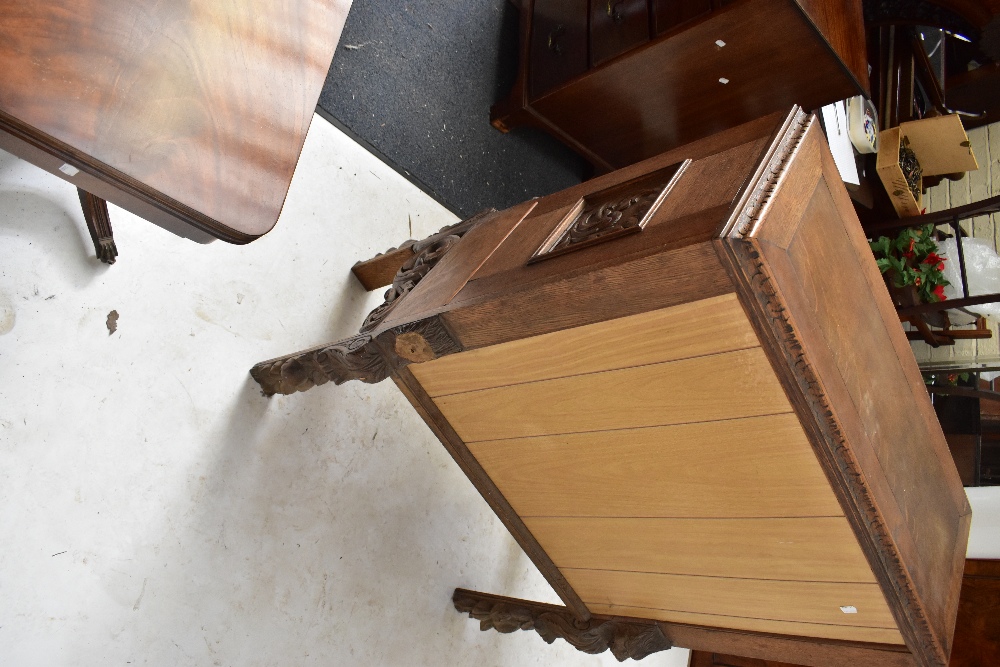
x=155, y=509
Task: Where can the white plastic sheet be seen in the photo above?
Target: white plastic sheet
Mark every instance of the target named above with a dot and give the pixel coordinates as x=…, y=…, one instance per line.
x=982, y=266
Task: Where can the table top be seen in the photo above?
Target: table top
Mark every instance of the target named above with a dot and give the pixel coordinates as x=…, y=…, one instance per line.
x=204, y=104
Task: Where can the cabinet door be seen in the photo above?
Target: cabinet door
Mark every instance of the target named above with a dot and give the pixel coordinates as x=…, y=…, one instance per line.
x=617, y=26
x=558, y=43
x=670, y=14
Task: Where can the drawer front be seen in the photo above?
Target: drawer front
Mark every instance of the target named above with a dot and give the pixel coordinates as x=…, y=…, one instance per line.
x=671, y=14
x=617, y=26
x=558, y=43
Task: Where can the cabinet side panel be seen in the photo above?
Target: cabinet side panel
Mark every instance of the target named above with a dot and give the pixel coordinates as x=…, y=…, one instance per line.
x=669, y=488
x=774, y=627
x=824, y=315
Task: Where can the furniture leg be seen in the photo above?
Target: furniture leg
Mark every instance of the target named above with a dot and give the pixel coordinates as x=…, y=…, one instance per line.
x=512, y=111
x=627, y=638
x=95, y=212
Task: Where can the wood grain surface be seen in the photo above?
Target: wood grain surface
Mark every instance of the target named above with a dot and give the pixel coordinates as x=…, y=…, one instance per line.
x=773, y=631
x=821, y=310
x=635, y=286
x=708, y=326
x=892, y=410
x=795, y=601
x=800, y=549
x=977, y=632
x=796, y=647
x=668, y=91
x=714, y=388
x=454, y=270
x=708, y=185
x=206, y=103
x=758, y=467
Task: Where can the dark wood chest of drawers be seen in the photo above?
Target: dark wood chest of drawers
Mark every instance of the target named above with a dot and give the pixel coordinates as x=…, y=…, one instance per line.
x=623, y=80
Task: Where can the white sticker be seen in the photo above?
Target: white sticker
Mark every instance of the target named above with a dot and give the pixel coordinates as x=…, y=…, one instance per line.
x=69, y=170
x=723, y=81
x=719, y=43
x=849, y=609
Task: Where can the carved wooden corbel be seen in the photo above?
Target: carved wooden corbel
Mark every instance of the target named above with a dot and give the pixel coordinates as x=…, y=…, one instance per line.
x=625, y=638
x=371, y=358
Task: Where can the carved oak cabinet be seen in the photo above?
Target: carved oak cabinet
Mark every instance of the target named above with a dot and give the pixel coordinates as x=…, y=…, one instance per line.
x=683, y=388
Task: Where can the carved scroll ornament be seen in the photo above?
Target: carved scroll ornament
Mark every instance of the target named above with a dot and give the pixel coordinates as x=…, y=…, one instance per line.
x=625, y=639
x=369, y=358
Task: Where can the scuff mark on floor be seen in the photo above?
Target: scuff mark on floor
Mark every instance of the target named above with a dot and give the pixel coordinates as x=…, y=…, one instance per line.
x=138, y=600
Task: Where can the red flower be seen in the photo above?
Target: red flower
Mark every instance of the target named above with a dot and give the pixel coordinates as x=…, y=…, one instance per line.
x=933, y=258
x=909, y=251
x=939, y=292
x=917, y=281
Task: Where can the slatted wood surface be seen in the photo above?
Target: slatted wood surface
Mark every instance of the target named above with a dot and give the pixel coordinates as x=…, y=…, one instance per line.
x=658, y=462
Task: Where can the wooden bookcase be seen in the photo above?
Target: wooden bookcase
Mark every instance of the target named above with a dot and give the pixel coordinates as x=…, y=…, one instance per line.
x=685, y=391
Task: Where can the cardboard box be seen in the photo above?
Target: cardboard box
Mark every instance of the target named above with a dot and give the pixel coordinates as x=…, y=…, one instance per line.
x=941, y=146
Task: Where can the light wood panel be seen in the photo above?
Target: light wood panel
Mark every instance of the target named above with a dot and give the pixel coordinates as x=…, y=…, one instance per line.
x=757, y=467
x=708, y=326
x=722, y=386
x=800, y=549
x=790, y=628
x=800, y=601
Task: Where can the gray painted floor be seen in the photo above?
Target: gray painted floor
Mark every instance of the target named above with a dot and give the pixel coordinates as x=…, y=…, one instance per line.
x=415, y=81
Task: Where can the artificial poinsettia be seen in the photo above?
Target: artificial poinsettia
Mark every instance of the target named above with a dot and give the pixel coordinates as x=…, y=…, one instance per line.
x=912, y=259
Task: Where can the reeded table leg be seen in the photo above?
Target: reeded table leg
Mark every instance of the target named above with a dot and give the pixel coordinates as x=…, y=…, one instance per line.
x=95, y=212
